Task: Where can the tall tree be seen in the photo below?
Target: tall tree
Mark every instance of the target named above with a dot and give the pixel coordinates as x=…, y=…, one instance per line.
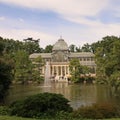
x=37, y=71
x=6, y=67
x=108, y=59
x=23, y=67
x=32, y=47
x=75, y=70
x=5, y=77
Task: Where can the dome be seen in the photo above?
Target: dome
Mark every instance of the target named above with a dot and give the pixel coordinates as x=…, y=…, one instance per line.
x=60, y=45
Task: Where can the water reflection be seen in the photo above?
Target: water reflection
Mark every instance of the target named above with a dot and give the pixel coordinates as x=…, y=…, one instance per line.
x=78, y=94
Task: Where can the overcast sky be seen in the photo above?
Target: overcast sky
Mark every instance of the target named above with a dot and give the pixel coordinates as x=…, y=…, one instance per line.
x=77, y=21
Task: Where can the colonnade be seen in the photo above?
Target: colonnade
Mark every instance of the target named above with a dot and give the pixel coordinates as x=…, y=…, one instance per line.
x=59, y=70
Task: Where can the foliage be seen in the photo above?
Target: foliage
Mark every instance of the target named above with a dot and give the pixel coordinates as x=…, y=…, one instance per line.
x=43, y=104
x=38, y=64
x=64, y=116
x=2, y=46
x=78, y=49
x=87, y=79
x=23, y=67
x=12, y=46
x=115, y=80
x=5, y=77
x=19, y=52
x=31, y=47
x=75, y=70
x=86, y=48
x=72, y=48
x=4, y=110
x=108, y=59
x=48, y=49
x=96, y=111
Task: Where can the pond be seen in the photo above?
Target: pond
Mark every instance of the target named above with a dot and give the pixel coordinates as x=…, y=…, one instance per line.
x=77, y=94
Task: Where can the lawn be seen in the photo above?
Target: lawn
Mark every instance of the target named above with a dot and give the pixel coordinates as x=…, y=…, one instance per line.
x=14, y=118
x=20, y=118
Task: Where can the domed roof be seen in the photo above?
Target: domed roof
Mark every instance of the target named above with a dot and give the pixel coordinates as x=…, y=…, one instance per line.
x=60, y=45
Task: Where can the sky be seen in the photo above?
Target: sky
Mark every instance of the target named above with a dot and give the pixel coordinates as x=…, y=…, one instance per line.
x=77, y=21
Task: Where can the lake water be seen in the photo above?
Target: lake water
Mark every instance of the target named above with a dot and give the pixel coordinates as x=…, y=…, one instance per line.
x=77, y=94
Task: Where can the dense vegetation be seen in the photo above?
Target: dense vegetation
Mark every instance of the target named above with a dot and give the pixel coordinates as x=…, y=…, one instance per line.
x=6, y=65
x=107, y=58
x=18, y=52
x=40, y=105
x=80, y=73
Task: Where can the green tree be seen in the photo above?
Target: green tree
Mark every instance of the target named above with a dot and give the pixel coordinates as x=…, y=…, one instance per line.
x=23, y=67
x=6, y=67
x=5, y=77
x=37, y=71
x=75, y=70
x=48, y=49
x=78, y=49
x=32, y=47
x=72, y=48
x=108, y=59
x=86, y=48
x=12, y=46
x=115, y=81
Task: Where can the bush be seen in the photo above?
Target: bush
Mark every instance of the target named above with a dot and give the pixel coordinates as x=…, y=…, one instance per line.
x=4, y=110
x=96, y=111
x=43, y=104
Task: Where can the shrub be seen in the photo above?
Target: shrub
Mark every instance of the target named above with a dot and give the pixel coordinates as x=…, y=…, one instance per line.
x=96, y=111
x=63, y=116
x=108, y=110
x=87, y=112
x=4, y=110
x=43, y=104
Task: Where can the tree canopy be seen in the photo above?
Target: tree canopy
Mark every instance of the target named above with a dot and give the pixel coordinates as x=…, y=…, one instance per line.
x=6, y=71
x=107, y=55
x=75, y=70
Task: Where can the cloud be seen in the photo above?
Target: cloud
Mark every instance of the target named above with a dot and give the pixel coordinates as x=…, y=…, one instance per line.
x=21, y=20
x=77, y=12
x=2, y=18
x=20, y=34
x=63, y=7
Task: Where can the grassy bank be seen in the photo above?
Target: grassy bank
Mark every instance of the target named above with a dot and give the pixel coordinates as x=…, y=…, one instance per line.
x=20, y=118
x=14, y=118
